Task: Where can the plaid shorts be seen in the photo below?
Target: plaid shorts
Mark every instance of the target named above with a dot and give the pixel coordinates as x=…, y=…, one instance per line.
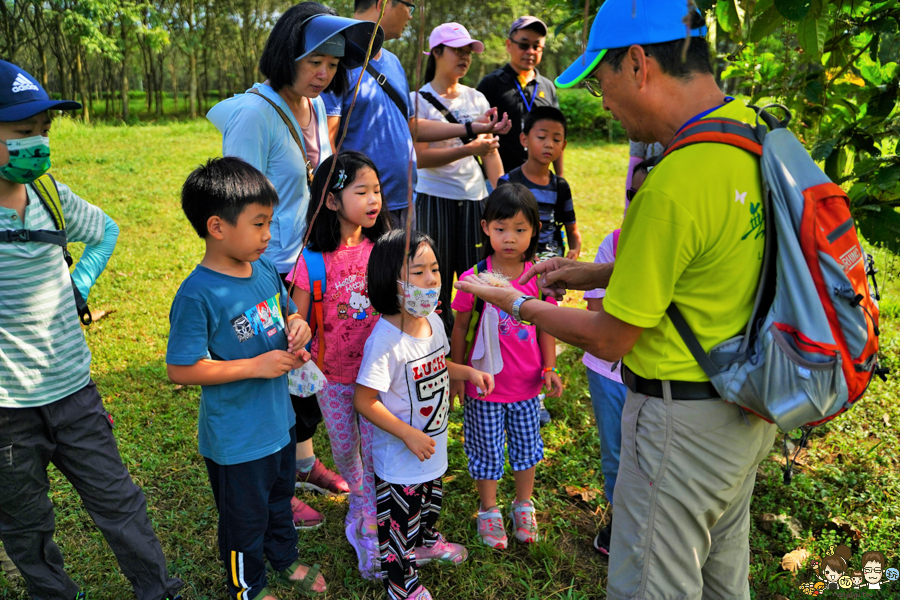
x=484, y=425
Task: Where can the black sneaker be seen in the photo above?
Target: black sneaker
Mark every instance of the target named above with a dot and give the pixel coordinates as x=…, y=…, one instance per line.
x=601, y=541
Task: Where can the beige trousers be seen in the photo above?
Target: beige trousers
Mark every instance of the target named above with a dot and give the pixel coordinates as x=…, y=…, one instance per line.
x=682, y=498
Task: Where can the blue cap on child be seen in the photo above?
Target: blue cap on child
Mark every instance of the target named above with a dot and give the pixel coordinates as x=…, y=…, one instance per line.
x=21, y=96
x=622, y=23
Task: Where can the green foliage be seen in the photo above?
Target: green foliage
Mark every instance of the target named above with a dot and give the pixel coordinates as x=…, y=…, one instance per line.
x=834, y=65
x=586, y=117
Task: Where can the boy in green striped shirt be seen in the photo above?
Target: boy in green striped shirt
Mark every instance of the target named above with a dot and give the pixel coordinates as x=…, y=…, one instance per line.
x=50, y=410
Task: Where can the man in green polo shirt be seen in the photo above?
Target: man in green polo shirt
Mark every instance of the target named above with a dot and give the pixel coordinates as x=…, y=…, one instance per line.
x=694, y=236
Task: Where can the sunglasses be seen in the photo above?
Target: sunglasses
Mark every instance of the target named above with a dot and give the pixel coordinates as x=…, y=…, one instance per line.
x=525, y=46
x=593, y=88
x=630, y=193
x=410, y=5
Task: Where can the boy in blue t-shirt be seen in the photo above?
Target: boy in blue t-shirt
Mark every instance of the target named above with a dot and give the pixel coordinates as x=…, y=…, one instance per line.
x=235, y=333
x=544, y=138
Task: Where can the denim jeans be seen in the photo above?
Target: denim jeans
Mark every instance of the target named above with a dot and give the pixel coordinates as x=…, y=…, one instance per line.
x=608, y=398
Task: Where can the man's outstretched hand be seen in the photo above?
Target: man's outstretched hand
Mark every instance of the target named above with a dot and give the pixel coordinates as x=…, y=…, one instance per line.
x=558, y=275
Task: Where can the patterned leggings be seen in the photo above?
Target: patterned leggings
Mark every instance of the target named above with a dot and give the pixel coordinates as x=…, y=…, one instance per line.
x=407, y=515
x=347, y=429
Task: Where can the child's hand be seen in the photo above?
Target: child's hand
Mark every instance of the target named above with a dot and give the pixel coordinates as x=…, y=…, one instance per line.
x=419, y=443
x=274, y=363
x=302, y=357
x=554, y=384
x=574, y=252
x=483, y=381
x=298, y=335
x=457, y=390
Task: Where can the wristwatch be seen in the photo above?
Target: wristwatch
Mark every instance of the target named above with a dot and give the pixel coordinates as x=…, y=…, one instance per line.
x=517, y=306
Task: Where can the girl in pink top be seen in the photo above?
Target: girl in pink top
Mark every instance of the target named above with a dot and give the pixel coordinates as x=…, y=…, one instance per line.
x=510, y=226
x=352, y=217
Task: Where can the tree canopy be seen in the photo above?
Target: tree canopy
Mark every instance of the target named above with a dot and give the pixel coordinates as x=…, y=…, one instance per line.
x=832, y=63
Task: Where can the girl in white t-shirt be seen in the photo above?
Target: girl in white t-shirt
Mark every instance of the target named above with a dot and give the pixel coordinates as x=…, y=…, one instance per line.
x=403, y=388
x=450, y=181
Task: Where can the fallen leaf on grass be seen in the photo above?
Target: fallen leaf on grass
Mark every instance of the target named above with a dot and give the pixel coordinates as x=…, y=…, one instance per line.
x=178, y=387
x=847, y=528
x=886, y=419
x=779, y=597
x=792, y=561
x=794, y=526
x=573, y=491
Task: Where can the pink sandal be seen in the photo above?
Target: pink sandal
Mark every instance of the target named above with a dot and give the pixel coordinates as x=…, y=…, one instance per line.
x=305, y=516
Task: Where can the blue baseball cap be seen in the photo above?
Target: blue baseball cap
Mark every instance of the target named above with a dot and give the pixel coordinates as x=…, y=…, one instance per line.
x=331, y=35
x=21, y=96
x=623, y=23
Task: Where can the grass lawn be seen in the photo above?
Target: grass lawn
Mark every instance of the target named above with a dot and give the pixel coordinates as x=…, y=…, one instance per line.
x=846, y=489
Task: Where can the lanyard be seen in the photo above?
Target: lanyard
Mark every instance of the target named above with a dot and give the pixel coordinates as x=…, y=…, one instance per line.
x=704, y=113
x=528, y=106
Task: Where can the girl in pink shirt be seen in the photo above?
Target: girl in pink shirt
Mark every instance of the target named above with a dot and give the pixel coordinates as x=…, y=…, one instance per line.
x=351, y=218
x=510, y=225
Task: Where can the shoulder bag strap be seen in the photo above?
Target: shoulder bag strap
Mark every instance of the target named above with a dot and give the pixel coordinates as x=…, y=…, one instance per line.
x=294, y=134
x=444, y=112
x=381, y=79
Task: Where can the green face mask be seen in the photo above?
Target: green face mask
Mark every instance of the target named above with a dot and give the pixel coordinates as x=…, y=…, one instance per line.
x=29, y=158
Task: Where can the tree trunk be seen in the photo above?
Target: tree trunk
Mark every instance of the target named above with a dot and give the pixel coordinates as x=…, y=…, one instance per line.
x=192, y=62
x=124, y=79
x=174, y=81
x=80, y=80
x=160, y=73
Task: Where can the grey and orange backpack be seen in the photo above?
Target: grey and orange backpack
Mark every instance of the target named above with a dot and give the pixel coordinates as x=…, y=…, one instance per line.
x=810, y=349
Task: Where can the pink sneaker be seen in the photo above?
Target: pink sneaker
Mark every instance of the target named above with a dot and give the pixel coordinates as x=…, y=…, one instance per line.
x=522, y=515
x=442, y=551
x=420, y=593
x=305, y=516
x=323, y=480
x=490, y=528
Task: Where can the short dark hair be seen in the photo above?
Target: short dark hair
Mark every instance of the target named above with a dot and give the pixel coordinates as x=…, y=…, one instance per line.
x=668, y=54
x=505, y=202
x=544, y=113
x=431, y=65
x=386, y=266
x=325, y=235
x=224, y=187
x=286, y=42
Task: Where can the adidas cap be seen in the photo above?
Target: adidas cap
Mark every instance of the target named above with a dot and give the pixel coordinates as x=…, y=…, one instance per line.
x=21, y=96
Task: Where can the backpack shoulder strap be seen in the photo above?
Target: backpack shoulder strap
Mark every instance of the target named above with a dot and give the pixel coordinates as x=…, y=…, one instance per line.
x=46, y=188
x=477, y=310
x=720, y=131
x=393, y=94
x=315, y=267
x=48, y=192
x=448, y=116
x=691, y=341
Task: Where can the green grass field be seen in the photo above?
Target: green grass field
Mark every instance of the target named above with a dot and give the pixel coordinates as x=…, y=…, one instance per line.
x=847, y=488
